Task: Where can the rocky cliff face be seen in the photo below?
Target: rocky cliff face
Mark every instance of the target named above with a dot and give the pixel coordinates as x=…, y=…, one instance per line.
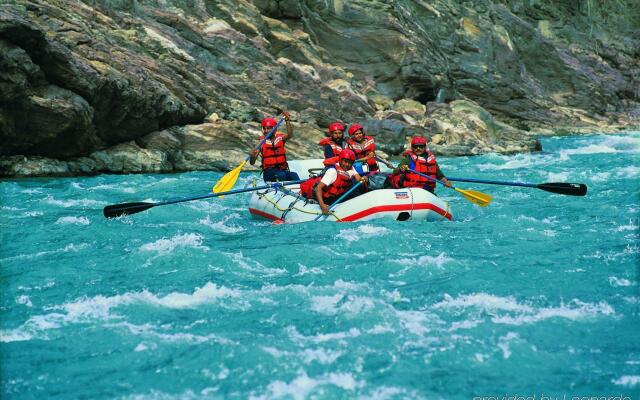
x=171, y=85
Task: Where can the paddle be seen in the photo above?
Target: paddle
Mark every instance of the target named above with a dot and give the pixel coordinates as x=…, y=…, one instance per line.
x=335, y=203
x=117, y=210
x=229, y=179
x=570, y=189
x=478, y=198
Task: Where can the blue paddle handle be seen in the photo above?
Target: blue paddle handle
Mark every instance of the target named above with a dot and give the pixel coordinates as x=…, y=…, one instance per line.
x=493, y=182
x=335, y=203
x=265, y=138
x=428, y=177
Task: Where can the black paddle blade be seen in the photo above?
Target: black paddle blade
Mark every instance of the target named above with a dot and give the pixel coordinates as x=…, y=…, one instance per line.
x=571, y=189
x=117, y=210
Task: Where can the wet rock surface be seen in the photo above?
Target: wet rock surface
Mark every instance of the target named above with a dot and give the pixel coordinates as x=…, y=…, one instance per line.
x=147, y=86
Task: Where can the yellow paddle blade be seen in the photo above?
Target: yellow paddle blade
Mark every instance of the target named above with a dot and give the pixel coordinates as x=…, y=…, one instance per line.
x=229, y=179
x=478, y=198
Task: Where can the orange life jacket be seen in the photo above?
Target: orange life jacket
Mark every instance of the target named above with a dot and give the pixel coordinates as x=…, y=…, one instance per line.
x=336, y=151
x=273, y=153
x=337, y=188
x=361, y=150
x=425, y=164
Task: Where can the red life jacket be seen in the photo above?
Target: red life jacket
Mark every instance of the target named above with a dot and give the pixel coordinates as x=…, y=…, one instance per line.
x=337, y=188
x=361, y=150
x=336, y=151
x=308, y=187
x=340, y=185
x=426, y=165
x=273, y=153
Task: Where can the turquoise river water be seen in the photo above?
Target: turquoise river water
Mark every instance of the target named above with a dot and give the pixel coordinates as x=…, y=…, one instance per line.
x=535, y=296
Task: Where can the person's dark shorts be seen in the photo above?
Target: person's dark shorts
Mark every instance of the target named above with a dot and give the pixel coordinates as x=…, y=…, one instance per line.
x=272, y=175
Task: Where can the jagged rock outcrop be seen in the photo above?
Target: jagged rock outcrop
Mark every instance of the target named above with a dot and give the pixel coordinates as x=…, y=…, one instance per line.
x=126, y=85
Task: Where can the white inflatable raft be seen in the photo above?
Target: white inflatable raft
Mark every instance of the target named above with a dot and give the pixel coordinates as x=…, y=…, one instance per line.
x=398, y=204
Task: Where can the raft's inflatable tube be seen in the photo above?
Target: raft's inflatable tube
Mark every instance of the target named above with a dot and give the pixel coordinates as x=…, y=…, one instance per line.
x=398, y=204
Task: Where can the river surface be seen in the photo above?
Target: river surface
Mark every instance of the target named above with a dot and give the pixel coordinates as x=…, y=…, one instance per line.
x=535, y=295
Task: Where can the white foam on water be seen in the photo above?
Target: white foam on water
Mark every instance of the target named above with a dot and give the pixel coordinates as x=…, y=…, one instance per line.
x=31, y=191
x=466, y=324
x=519, y=161
x=24, y=299
x=549, y=233
x=631, y=299
x=482, y=301
x=415, y=322
x=29, y=214
x=503, y=344
x=322, y=337
x=221, y=226
x=395, y=296
x=362, y=232
x=117, y=188
x=14, y=335
x=304, y=270
x=627, y=380
x=589, y=149
x=100, y=307
x=164, y=246
x=71, y=247
x=303, y=385
x=619, y=282
x=74, y=202
x=145, y=346
x=390, y=392
x=380, y=329
x=558, y=176
x=339, y=303
x=628, y=227
x=627, y=172
x=320, y=355
x=73, y=220
x=253, y=265
x=575, y=310
x=351, y=286
x=599, y=176
x=438, y=261
x=325, y=304
x=525, y=314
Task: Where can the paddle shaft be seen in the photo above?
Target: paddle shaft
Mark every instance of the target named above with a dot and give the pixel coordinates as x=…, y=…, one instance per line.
x=430, y=178
x=570, y=189
x=116, y=210
x=335, y=203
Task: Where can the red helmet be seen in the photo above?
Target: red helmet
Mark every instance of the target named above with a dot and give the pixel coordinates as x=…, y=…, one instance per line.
x=348, y=154
x=269, y=122
x=355, y=127
x=336, y=126
x=418, y=140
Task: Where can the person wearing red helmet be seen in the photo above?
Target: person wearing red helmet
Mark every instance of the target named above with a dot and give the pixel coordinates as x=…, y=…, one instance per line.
x=420, y=159
x=363, y=146
x=274, y=156
x=336, y=180
x=333, y=143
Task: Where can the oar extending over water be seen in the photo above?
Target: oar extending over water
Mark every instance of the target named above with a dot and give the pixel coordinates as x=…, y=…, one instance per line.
x=570, y=189
x=477, y=198
x=117, y=210
x=229, y=179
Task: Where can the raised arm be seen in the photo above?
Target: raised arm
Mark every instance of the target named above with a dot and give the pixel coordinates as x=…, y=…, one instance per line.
x=287, y=122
